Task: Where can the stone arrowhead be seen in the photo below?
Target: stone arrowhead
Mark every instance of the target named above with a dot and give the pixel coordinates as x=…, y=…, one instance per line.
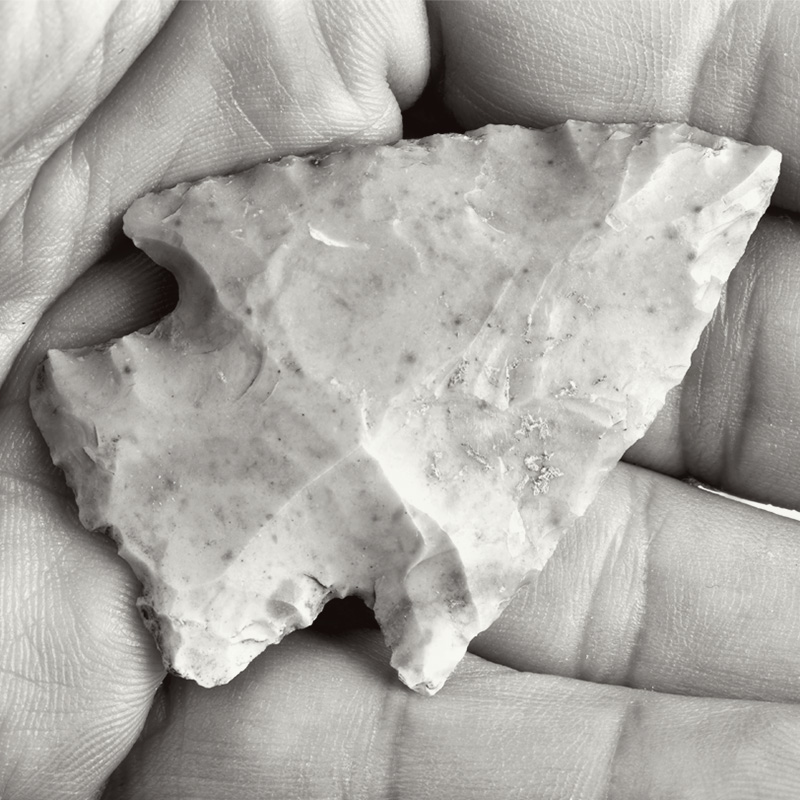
x=395, y=372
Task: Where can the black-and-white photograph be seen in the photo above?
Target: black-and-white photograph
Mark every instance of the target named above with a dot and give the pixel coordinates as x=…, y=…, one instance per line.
x=399, y=400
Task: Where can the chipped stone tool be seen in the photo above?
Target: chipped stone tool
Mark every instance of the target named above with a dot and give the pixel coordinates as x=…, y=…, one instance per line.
x=394, y=372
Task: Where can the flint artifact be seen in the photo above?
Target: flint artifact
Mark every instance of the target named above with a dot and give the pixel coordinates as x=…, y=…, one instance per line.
x=397, y=372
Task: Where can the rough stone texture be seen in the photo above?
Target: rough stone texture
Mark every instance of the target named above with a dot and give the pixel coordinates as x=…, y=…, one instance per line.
x=396, y=372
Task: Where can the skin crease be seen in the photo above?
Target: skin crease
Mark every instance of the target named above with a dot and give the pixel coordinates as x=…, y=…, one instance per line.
x=638, y=664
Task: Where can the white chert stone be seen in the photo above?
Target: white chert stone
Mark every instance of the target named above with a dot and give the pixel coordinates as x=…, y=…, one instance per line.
x=398, y=372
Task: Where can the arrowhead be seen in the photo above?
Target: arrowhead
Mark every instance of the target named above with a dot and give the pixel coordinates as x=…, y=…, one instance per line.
x=396, y=372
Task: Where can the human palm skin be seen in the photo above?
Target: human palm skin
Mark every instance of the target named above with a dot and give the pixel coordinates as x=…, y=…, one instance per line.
x=660, y=587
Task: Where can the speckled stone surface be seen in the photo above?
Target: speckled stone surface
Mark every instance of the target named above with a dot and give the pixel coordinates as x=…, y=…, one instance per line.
x=397, y=372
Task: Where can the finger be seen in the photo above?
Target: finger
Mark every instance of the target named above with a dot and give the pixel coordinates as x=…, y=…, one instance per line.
x=77, y=669
x=59, y=59
x=663, y=586
x=733, y=423
x=318, y=717
x=728, y=67
x=222, y=86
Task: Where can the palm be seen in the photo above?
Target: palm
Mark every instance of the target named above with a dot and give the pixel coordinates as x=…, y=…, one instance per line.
x=659, y=587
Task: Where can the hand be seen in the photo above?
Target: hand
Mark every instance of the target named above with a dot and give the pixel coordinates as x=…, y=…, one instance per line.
x=660, y=587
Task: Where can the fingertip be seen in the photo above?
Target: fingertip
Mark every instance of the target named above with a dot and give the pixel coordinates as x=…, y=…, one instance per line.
x=409, y=60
